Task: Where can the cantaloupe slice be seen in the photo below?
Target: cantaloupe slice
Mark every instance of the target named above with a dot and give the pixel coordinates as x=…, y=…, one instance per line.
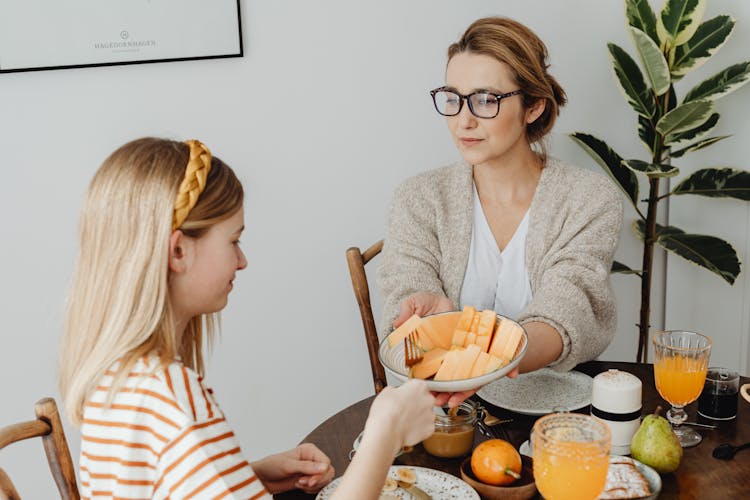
x=403, y=331
x=459, y=337
x=430, y=364
x=487, y=319
x=494, y=363
x=479, y=365
x=505, y=341
x=439, y=328
x=484, y=342
x=466, y=361
x=471, y=338
x=475, y=322
x=450, y=363
x=424, y=340
x=467, y=316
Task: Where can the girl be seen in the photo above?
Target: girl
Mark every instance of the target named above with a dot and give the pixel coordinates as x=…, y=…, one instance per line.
x=508, y=228
x=159, y=251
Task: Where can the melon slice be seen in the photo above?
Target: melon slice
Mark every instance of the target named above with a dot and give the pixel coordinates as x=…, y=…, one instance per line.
x=506, y=340
x=450, y=363
x=475, y=323
x=484, y=342
x=403, y=331
x=459, y=337
x=479, y=365
x=430, y=364
x=494, y=363
x=467, y=316
x=487, y=319
x=471, y=338
x=466, y=360
x=440, y=328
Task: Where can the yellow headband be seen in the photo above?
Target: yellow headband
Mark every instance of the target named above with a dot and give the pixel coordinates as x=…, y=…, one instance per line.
x=194, y=182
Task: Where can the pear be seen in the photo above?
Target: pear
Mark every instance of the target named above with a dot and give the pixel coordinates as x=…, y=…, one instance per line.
x=656, y=445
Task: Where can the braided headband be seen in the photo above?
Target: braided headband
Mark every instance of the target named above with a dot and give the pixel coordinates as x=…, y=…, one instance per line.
x=194, y=182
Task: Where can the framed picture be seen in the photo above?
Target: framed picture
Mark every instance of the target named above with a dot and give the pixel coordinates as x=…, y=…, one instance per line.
x=50, y=34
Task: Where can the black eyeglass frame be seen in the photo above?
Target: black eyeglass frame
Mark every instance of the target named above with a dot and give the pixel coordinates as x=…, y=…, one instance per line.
x=466, y=98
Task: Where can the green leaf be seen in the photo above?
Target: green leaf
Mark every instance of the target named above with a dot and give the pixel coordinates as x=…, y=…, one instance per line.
x=717, y=183
x=704, y=143
x=611, y=162
x=709, y=38
x=679, y=19
x=689, y=135
x=640, y=15
x=632, y=85
x=685, y=117
x=709, y=252
x=652, y=170
x=646, y=133
x=657, y=70
x=619, y=267
x=721, y=84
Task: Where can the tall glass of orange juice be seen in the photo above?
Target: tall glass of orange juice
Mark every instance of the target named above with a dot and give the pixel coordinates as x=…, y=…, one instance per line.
x=680, y=365
x=571, y=456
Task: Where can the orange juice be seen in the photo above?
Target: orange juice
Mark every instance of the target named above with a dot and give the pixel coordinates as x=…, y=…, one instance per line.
x=571, y=470
x=680, y=379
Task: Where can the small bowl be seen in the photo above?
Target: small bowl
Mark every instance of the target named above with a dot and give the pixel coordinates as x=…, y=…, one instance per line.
x=521, y=489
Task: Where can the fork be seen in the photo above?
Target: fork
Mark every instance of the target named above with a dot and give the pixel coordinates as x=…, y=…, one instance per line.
x=412, y=353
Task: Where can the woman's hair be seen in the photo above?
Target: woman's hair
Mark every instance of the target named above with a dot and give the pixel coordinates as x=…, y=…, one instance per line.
x=514, y=44
x=118, y=307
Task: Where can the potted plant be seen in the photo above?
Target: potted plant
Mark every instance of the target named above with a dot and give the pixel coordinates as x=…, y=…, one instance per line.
x=668, y=46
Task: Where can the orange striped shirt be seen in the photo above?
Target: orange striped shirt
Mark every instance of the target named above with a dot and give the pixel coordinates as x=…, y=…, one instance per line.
x=164, y=436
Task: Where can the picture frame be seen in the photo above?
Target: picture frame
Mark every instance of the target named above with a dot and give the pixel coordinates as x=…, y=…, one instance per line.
x=40, y=35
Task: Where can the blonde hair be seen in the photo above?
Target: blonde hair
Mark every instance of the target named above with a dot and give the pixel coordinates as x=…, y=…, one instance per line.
x=514, y=44
x=118, y=306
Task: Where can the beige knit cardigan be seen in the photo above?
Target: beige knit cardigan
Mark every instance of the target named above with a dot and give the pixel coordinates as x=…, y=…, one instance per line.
x=574, y=225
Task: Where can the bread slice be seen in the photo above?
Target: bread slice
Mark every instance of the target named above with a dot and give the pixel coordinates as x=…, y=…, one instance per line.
x=624, y=480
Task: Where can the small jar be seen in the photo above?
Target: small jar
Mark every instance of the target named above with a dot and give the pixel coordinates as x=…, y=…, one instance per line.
x=454, y=434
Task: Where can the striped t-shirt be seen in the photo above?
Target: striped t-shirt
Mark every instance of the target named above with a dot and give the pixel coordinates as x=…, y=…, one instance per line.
x=164, y=436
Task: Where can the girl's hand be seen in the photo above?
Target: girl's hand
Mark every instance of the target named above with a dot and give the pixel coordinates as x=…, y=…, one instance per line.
x=422, y=303
x=304, y=467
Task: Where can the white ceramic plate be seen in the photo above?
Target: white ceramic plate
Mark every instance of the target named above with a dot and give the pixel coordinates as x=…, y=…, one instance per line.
x=540, y=392
x=392, y=359
x=439, y=485
x=653, y=478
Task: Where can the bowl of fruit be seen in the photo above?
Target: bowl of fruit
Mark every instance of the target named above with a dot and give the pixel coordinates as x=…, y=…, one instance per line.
x=497, y=471
x=457, y=350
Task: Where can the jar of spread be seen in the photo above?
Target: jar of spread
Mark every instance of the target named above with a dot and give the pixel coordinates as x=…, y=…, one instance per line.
x=454, y=431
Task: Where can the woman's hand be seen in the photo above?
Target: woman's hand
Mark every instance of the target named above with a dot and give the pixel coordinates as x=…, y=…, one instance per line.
x=422, y=303
x=304, y=467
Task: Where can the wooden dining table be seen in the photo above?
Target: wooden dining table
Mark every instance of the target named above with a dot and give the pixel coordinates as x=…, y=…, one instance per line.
x=699, y=476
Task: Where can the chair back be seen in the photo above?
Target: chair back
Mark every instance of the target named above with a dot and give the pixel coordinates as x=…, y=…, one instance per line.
x=49, y=427
x=357, y=260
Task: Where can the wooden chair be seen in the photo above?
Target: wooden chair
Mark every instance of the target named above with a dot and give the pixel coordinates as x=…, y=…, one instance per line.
x=49, y=427
x=357, y=260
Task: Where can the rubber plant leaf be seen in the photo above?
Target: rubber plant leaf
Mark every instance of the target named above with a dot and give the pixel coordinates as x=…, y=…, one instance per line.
x=717, y=183
x=708, y=252
x=678, y=20
x=721, y=84
x=611, y=162
x=631, y=83
x=685, y=117
x=620, y=268
x=652, y=60
x=652, y=170
x=640, y=15
x=693, y=133
x=703, y=143
x=709, y=38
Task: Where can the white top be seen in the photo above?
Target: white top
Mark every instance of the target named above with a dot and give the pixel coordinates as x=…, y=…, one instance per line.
x=496, y=280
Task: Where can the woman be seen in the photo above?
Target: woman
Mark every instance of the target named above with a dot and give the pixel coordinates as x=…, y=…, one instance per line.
x=508, y=228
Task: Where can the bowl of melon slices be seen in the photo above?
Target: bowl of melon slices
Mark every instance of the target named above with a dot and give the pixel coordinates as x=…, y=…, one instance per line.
x=461, y=350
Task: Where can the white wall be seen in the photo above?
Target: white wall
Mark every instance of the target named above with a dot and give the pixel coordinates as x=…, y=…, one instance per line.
x=327, y=112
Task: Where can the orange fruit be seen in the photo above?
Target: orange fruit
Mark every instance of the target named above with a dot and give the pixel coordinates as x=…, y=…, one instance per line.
x=496, y=462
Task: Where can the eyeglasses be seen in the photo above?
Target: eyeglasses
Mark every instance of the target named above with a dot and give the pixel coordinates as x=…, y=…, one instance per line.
x=482, y=104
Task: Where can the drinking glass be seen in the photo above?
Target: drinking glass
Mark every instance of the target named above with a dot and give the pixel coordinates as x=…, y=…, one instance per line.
x=571, y=456
x=680, y=365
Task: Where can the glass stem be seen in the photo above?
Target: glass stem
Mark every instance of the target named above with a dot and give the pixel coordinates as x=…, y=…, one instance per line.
x=676, y=415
